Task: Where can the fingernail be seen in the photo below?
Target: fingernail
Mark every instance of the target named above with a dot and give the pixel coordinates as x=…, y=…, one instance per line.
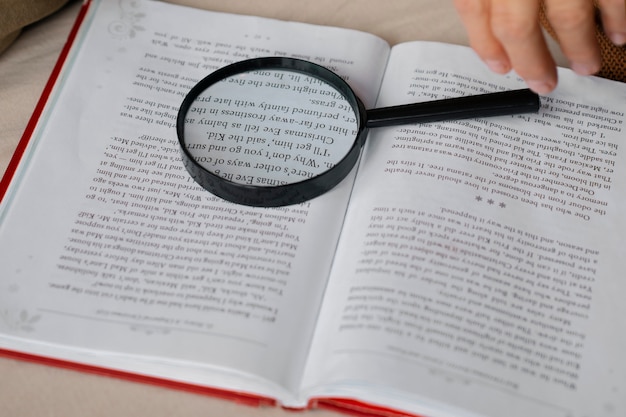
x=497, y=66
x=540, y=86
x=584, y=69
x=618, y=38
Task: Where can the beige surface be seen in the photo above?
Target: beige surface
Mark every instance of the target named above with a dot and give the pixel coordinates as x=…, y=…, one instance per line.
x=16, y=14
x=28, y=389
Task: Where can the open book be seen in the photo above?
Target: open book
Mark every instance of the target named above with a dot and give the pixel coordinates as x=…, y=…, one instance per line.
x=468, y=268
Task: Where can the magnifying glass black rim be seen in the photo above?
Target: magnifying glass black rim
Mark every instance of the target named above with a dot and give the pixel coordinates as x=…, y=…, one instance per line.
x=280, y=195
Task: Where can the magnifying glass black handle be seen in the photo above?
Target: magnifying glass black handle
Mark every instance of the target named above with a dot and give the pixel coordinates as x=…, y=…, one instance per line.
x=482, y=105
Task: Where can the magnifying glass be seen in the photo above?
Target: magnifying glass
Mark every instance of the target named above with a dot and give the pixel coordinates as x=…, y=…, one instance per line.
x=277, y=131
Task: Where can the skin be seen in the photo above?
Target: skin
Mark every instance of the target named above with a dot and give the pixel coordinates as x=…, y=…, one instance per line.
x=507, y=35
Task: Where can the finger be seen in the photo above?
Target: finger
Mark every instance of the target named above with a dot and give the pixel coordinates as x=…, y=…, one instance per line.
x=613, y=14
x=516, y=25
x=475, y=15
x=574, y=25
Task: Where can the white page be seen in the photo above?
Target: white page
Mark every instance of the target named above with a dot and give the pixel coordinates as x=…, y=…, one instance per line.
x=479, y=272
x=108, y=245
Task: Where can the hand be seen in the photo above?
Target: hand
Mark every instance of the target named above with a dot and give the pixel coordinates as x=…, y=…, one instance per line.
x=507, y=34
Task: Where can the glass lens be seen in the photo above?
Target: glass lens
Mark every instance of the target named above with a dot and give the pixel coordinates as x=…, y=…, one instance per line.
x=269, y=127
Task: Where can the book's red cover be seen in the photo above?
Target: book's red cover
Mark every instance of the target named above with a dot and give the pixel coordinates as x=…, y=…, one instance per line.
x=344, y=405
x=358, y=408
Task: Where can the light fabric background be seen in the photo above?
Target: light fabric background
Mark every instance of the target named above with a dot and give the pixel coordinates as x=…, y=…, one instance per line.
x=31, y=390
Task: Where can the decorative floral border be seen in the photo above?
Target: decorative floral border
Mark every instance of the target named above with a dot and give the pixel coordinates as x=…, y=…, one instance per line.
x=22, y=321
x=130, y=15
